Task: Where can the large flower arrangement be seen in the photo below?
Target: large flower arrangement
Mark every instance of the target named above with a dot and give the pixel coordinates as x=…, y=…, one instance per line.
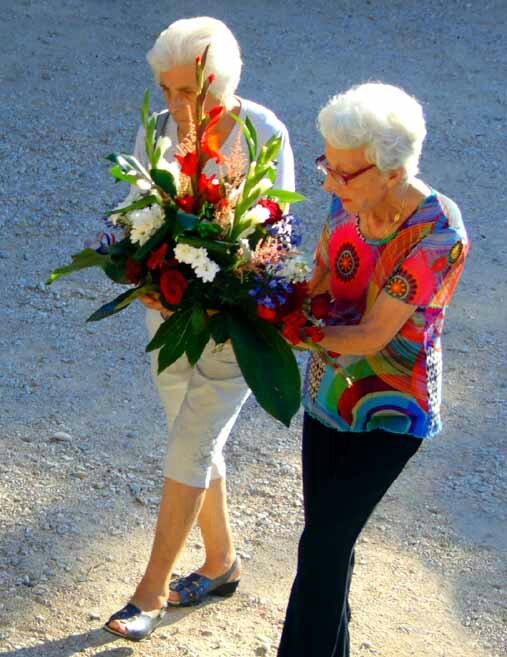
x=219, y=249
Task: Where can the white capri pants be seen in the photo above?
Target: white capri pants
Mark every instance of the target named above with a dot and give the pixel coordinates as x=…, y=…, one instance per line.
x=202, y=404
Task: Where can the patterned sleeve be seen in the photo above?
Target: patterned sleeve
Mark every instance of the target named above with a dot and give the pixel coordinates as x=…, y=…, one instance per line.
x=431, y=271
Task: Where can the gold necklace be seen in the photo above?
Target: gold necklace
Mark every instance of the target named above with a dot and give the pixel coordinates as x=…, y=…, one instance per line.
x=397, y=217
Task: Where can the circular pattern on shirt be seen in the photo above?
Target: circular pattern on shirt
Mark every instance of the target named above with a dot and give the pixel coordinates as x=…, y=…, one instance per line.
x=347, y=262
x=455, y=252
x=402, y=285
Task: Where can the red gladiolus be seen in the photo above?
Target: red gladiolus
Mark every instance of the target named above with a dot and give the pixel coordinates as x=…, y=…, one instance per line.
x=134, y=271
x=189, y=163
x=211, y=78
x=295, y=319
x=296, y=299
x=173, y=285
x=269, y=314
x=156, y=257
x=209, y=188
x=320, y=305
x=315, y=333
x=209, y=142
x=275, y=211
x=186, y=203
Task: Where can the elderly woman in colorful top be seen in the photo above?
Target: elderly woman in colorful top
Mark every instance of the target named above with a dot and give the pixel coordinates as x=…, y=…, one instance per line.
x=387, y=265
x=201, y=403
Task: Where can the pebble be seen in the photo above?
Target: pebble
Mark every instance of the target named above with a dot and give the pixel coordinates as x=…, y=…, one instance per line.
x=60, y=437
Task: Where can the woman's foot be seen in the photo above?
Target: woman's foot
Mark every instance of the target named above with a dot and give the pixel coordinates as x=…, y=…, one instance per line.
x=210, y=579
x=134, y=624
x=145, y=600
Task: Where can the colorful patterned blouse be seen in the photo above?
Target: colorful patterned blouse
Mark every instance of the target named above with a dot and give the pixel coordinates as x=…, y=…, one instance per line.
x=399, y=388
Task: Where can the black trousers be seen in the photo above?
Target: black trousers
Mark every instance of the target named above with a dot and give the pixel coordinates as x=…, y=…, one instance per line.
x=345, y=475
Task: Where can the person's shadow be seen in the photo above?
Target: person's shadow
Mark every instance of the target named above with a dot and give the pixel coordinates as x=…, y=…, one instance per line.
x=72, y=644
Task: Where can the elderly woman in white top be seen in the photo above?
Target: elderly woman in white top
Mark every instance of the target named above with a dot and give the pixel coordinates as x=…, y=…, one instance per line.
x=201, y=403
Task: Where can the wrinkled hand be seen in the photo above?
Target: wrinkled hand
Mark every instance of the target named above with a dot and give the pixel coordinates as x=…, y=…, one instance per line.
x=152, y=301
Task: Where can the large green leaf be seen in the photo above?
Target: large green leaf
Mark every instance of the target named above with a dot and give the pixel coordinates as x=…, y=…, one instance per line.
x=285, y=196
x=198, y=336
x=268, y=365
x=117, y=172
x=219, y=328
x=82, y=260
x=168, y=328
x=136, y=205
x=112, y=307
x=176, y=339
x=165, y=180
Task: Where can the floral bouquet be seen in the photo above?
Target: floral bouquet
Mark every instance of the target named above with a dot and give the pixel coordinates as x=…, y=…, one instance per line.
x=218, y=249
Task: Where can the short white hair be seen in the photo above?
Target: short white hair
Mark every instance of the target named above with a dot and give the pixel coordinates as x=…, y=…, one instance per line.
x=184, y=39
x=383, y=119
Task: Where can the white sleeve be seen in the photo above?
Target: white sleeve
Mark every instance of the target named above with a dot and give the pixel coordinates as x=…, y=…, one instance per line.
x=285, y=176
x=139, y=147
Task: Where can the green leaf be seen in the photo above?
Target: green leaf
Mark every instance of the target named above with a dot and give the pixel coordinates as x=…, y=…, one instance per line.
x=206, y=230
x=168, y=328
x=285, y=196
x=250, y=140
x=268, y=365
x=177, y=339
x=145, y=108
x=215, y=246
x=112, y=307
x=270, y=149
x=83, y=260
x=253, y=133
x=218, y=328
x=136, y=205
x=150, y=137
x=199, y=335
x=187, y=221
x=116, y=172
x=165, y=180
x=116, y=270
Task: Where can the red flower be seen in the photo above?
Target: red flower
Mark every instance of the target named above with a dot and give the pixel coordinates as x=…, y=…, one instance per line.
x=189, y=163
x=186, y=203
x=296, y=299
x=315, y=333
x=209, y=142
x=269, y=314
x=134, y=271
x=156, y=258
x=173, y=285
x=295, y=319
x=209, y=188
x=275, y=211
x=320, y=305
x=292, y=333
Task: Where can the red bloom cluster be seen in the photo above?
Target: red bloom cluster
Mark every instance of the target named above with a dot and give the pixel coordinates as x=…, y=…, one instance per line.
x=275, y=211
x=173, y=285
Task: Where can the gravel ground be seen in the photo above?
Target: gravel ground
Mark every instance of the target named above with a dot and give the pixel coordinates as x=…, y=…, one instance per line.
x=82, y=432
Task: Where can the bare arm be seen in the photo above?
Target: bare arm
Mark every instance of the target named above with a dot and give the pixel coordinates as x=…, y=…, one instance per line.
x=375, y=331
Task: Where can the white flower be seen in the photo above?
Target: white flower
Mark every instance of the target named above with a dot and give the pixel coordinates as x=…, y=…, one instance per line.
x=207, y=270
x=295, y=270
x=145, y=223
x=246, y=251
x=257, y=215
x=197, y=258
x=190, y=255
x=133, y=195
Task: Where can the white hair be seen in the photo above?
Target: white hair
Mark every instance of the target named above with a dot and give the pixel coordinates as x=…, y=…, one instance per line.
x=184, y=39
x=383, y=119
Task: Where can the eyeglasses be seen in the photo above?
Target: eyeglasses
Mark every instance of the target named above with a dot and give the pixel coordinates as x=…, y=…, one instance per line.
x=341, y=178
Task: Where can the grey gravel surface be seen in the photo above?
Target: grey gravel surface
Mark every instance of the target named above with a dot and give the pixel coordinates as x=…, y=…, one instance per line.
x=82, y=432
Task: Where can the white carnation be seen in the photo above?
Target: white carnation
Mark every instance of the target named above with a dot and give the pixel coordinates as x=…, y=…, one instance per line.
x=207, y=271
x=145, y=223
x=198, y=259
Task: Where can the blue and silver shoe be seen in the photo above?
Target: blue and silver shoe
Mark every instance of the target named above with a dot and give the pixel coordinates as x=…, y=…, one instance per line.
x=194, y=588
x=138, y=624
